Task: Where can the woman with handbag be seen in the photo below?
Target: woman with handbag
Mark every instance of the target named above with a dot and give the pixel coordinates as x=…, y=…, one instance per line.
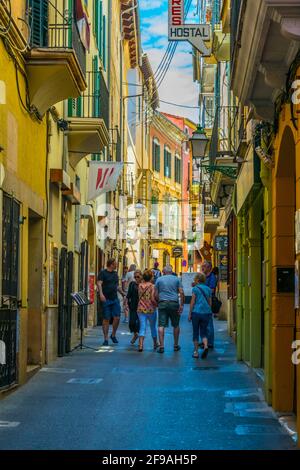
x=147, y=309
x=133, y=300
x=200, y=313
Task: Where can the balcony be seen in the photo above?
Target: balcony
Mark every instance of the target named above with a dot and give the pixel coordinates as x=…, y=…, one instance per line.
x=55, y=62
x=223, y=150
x=88, y=120
x=262, y=50
x=73, y=195
x=221, y=44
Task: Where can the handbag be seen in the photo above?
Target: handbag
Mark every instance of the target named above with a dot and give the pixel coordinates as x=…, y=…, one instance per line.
x=216, y=304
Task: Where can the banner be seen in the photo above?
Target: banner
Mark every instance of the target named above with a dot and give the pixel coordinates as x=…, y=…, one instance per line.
x=83, y=24
x=103, y=177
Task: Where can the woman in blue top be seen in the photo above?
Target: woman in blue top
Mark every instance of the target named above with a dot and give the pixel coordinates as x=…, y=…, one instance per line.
x=200, y=313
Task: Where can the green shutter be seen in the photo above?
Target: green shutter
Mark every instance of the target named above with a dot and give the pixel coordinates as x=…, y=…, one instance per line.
x=100, y=31
x=104, y=43
x=96, y=85
x=153, y=155
x=158, y=158
x=98, y=9
x=39, y=22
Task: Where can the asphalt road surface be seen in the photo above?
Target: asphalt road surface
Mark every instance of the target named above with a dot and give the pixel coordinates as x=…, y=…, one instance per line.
x=118, y=398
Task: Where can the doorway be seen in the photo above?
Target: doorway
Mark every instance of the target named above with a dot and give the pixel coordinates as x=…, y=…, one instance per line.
x=10, y=290
x=283, y=261
x=35, y=289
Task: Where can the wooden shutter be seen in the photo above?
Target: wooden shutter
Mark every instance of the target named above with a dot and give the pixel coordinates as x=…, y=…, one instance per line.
x=104, y=43
x=96, y=85
x=153, y=155
x=39, y=22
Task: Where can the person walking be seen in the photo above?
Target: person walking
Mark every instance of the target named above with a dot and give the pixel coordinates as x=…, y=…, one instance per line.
x=128, y=279
x=156, y=272
x=211, y=282
x=200, y=313
x=147, y=309
x=168, y=290
x=133, y=301
x=108, y=287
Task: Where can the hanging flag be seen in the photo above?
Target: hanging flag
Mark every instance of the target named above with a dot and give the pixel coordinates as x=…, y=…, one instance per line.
x=103, y=177
x=83, y=24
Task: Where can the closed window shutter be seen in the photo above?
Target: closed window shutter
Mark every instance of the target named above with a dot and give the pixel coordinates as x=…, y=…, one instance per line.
x=153, y=155
x=100, y=32
x=39, y=22
x=96, y=85
x=158, y=158
x=104, y=43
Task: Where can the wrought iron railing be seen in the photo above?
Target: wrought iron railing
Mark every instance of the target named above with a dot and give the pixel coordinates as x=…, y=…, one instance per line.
x=223, y=140
x=94, y=102
x=53, y=26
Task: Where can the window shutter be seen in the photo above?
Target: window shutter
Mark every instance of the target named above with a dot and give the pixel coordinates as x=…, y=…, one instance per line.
x=39, y=22
x=153, y=155
x=96, y=85
x=158, y=158
x=104, y=43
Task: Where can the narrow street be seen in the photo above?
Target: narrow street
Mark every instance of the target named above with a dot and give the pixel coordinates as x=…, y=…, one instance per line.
x=142, y=401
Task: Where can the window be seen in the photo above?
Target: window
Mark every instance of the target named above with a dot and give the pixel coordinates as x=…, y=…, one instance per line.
x=177, y=169
x=167, y=163
x=39, y=22
x=100, y=30
x=156, y=155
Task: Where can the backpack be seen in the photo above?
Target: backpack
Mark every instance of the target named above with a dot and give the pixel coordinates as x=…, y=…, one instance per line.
x=156, y=274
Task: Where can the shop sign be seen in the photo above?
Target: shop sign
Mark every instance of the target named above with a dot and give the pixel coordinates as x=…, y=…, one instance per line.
x=195, y=34
x=177, y=252
x=223, y=267
x=221, y=243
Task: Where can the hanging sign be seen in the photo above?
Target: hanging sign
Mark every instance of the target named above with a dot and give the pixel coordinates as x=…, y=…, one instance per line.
x=103, y=177
x=195, y=34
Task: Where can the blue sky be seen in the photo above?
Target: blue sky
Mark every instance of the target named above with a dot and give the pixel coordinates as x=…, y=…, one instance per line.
x=178, y=85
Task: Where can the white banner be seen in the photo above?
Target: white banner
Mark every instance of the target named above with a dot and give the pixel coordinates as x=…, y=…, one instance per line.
x=103, y=177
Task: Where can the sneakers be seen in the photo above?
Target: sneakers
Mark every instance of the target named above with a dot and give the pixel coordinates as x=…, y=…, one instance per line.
x=105, y=342
x=114, y=339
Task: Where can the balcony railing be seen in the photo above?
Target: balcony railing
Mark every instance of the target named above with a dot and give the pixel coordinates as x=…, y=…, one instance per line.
x=53, y=26
x=94, y=102
x=224, y=133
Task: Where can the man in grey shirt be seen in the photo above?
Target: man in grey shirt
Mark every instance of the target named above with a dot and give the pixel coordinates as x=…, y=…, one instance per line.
x=168, y=290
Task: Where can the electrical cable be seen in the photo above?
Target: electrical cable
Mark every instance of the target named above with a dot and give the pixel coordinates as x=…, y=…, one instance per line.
x=6, y=30
x=163, y=68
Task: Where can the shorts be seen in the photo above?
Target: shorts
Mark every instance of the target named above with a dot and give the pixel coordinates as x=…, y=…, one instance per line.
x=111, y=309
x=166, y=311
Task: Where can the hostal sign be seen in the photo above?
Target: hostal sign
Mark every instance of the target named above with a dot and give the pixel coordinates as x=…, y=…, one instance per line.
x=196, y=34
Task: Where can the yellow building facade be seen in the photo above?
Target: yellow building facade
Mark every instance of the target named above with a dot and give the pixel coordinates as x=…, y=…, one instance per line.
x=166, y=192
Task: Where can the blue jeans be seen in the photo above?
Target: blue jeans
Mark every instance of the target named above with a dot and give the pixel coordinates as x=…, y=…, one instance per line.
x=151, y=317
x=200, y=325
x=111, y=309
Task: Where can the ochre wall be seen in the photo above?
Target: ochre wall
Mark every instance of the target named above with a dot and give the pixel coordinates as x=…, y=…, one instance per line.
x=285, y=320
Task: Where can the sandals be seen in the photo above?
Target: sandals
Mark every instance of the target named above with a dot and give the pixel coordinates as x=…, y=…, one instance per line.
x=177, y=348
x=161, y=350
x=195, y=355
x=134, y=339
x=141, y=349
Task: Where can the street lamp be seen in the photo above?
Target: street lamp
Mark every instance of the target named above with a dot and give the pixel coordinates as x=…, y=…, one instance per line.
x=199, y=142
